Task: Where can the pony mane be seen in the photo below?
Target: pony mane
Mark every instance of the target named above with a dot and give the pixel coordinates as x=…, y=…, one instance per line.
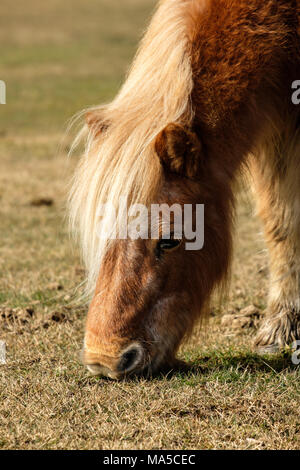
x=121, y=161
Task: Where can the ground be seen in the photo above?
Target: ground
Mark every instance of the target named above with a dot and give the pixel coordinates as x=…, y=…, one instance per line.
x=57, y=58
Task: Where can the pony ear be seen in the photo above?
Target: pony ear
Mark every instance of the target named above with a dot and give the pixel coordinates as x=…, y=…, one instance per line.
x=179, y=150
x=95, y=123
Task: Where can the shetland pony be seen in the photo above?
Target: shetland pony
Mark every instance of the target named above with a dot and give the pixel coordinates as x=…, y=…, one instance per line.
x=209, y=93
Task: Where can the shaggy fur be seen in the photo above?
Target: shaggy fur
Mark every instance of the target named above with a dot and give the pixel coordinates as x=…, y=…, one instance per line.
x=209, y=92
x=245, y=57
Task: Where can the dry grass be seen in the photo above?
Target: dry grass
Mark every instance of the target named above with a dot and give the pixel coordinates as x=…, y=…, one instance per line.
x=61, y=56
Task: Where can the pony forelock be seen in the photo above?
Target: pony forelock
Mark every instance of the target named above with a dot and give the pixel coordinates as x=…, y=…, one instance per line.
x=121, y=161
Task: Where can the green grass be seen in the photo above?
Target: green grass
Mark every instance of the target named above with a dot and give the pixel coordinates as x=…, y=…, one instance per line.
x=54, y=66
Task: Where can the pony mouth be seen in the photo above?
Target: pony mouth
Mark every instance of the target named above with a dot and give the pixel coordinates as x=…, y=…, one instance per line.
x=147, y=370
x=134, y=361
x=96, y=370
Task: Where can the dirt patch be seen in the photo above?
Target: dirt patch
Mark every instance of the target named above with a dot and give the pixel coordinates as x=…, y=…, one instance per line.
x=16, y=315
x=246, y=318
x=27, y=319
x=55, y=286
x=43, y=201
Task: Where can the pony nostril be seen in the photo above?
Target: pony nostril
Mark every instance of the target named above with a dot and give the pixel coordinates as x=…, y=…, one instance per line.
x=130, y=359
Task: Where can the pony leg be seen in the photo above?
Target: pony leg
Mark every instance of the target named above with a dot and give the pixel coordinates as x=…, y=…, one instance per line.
x=277, y=182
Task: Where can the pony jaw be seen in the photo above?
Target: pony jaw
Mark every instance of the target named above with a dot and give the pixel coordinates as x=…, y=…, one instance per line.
x=156, y=354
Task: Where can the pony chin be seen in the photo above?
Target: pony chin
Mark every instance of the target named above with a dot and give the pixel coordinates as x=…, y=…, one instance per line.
x=167, y=338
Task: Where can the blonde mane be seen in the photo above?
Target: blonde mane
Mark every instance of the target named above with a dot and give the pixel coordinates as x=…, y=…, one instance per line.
x=121, y=162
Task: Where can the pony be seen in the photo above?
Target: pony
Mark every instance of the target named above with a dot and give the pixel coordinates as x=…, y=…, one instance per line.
x=208, y=95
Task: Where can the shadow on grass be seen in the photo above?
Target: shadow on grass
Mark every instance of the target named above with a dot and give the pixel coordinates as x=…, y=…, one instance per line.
x=240, y=362
x=229, y=365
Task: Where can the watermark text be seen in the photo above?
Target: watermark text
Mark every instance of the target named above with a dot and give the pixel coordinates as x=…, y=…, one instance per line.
x=159, y=222
x=296, y=93
x=2, y=353
x=296, y=354
x=2, y=92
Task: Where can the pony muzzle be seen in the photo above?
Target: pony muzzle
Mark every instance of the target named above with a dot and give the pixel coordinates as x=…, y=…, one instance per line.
x=131, y=360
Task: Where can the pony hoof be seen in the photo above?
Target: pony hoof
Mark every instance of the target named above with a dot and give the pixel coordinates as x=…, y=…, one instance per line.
x=268, y=349
x=278, y=332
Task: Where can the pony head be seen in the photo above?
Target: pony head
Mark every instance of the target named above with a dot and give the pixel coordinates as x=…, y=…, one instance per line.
x=151, y=289
x=147, y=295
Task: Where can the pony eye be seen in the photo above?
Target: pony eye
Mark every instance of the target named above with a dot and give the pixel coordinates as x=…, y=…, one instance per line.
x=167, y=245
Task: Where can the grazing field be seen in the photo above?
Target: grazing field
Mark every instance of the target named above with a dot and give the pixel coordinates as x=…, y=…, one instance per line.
x=57, y=58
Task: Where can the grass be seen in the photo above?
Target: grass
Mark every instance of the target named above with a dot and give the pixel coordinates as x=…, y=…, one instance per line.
x=60, y=57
